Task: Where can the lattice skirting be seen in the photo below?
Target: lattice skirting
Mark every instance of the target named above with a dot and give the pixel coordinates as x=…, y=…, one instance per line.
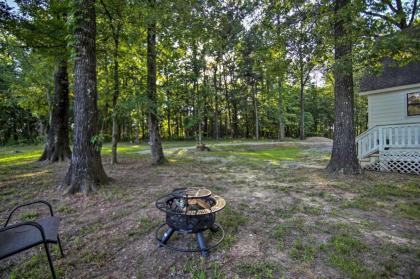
x=397, y=161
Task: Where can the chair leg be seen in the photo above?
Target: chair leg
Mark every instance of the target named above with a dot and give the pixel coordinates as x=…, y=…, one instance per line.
x=59, y=245
x=49, y=260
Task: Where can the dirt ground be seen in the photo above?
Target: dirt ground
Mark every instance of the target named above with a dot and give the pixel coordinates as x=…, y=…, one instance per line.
x=286, y=217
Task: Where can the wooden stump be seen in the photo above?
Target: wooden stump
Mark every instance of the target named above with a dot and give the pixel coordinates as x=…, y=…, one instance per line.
x=202, y=147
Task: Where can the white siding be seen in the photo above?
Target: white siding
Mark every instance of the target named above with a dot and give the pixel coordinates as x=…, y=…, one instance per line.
x=390, y=108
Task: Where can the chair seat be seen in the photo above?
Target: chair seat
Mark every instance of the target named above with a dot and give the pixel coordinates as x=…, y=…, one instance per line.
x=24, y=237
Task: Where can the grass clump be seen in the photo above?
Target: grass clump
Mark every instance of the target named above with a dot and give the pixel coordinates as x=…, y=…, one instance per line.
x=303, y=252
x=35, y=267
x=94, y=227
x=283, y=213
x=231, y=220
x=196, y=267
x=144, y=226
x=258, y=270
x=344, y=251
x=280, y=232
x=29, y=216
x=411, y=209
x=94, y=257
x=66, y=209
x=362, y=203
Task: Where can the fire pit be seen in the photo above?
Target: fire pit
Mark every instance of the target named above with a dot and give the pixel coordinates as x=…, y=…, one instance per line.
x=190, y=211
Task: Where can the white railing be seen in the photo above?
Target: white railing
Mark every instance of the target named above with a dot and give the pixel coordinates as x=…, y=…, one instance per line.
x=383, y=137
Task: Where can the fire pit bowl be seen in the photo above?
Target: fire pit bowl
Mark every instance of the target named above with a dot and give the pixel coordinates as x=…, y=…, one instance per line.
x=190, y=211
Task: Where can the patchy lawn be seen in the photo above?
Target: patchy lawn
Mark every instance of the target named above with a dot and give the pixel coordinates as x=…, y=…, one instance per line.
x=286, y=217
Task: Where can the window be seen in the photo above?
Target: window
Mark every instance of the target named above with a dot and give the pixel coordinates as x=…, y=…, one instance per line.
x=413, y=104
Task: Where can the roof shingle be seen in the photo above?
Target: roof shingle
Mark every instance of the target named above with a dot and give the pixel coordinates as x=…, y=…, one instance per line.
x=392, y=76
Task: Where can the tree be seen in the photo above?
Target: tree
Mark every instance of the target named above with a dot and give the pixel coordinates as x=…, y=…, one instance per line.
x=343, y=158
x=303, y=48
x=155, y=141
x=86, y=172
x=114, y=13
x=57, y=147
x=37, y=32
x=401, y=14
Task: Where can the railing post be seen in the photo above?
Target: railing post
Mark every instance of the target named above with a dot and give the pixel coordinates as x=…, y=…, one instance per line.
x=381, y=139
x=409, y=136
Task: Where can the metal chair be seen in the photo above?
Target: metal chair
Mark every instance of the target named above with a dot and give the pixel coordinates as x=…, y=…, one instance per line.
x=25, y=235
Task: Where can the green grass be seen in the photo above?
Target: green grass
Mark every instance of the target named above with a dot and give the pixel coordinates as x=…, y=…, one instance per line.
x=19, y=154
x=344, y=252
x=258, y=270
x=280, y=232
x=29, y=216
x=303, y=251
x=411, y=209
x=66, y=209
x=123, y=148
x=144, y=226
x=269, y=153
x=231, y=220
x=362, y=203
x=94, y=227
x=36, y=267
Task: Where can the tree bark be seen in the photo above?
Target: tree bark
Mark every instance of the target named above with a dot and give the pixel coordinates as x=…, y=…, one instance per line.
x=86, y=172
x=216, y=105
x=257, y=122
x=115, y=95
x=281, y=114
x=228, y=109
x=155, y=141
x=57, y=147
x=343, y=158
x=302, y=110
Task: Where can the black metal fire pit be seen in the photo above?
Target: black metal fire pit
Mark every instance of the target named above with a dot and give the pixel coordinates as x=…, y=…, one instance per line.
x=190, y=211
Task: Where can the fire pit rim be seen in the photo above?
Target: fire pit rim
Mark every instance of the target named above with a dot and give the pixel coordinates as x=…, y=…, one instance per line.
x=220, y=203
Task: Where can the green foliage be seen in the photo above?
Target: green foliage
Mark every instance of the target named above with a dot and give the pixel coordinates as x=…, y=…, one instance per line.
x=222, y=67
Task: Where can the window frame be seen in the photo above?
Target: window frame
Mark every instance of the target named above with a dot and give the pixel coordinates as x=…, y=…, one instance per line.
x=408, y=104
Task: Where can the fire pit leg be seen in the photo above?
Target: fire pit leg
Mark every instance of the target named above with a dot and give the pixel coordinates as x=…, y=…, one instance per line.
x=214, y=228
x=202, y=244
x=166, y=236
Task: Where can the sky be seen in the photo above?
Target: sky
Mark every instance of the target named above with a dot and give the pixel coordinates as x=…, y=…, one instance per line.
x=11, y=3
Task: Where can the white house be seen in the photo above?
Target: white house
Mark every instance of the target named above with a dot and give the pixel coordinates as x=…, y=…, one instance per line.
x=392, y=141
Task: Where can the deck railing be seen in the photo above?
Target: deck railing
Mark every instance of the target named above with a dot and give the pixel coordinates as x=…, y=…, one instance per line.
x=384, y=137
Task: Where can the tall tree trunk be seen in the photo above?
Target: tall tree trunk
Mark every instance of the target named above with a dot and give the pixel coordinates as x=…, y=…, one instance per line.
x=115, y=95
x=216, y=105
x=86, y=172
x=229, y=115
x=234, y=100
x=257, y=122
x=343, y=158
x=57, y=147
x=235, y=119
x=302, y=110
x=155, y=141
x=168, y=116
x=281, y=113
x=198, y=115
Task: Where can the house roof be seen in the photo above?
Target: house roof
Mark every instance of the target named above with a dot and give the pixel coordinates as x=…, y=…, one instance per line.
x=392, y=76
